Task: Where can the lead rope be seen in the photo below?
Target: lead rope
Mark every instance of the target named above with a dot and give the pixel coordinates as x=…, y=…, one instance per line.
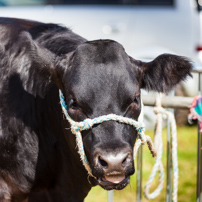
x=158, y=166
x=77, y=127
x=158, y=143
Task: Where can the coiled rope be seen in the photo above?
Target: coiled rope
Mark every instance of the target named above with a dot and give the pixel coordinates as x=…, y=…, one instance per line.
x=158, y=143
x=77, y=127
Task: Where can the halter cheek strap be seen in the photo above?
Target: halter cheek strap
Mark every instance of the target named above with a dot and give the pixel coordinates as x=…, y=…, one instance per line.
x=77, y=127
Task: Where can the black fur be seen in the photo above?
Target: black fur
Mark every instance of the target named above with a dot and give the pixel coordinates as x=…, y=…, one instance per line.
x=38, y=155
x=167, y=71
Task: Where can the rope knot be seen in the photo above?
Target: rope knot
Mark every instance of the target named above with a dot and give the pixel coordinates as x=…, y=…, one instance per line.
x=140, y=128
x=79, y=126
x=158, y=110
x=75, y=127
x=162, y=111
x=87, y=124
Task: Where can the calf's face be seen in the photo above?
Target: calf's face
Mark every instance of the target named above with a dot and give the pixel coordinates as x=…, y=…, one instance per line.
x=99, y=78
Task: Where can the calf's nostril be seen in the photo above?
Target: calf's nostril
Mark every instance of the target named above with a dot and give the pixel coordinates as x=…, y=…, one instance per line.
x=102, y=162
x=124, y=162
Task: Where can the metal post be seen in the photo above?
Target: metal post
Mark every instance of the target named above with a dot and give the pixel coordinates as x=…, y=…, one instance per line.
x=169, y=165
x=139, y=175
x=110, y=196
x=199, y=156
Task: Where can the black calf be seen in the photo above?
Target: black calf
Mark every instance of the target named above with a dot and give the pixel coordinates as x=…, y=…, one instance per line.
x=38, y=154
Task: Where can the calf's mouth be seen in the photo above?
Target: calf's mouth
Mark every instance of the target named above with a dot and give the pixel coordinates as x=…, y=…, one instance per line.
x=113, y=169
x=109, y=182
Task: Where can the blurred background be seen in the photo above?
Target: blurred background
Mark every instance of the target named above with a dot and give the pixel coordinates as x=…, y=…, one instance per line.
x=146, y=28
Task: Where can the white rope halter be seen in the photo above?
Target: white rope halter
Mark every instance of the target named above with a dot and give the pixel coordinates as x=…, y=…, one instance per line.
x=158, y=143
x=77, y=127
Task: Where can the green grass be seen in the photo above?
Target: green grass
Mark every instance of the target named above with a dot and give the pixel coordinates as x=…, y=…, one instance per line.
x=187, y=159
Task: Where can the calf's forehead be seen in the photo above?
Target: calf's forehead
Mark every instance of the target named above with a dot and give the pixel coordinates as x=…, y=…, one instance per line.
x=100, y=51
x=101, y=70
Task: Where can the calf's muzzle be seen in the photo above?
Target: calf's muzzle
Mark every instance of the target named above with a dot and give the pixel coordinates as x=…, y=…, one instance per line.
x=113, y=163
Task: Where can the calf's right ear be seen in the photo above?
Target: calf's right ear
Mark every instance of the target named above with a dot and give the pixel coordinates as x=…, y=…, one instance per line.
x=164, y=72
x=46, y=63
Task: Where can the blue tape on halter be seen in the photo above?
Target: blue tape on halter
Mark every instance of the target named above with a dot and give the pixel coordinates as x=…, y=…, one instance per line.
x=62, y=102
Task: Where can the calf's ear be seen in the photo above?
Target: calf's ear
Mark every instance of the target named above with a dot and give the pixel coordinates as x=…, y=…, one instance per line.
x=164, y=72
x=44, y=62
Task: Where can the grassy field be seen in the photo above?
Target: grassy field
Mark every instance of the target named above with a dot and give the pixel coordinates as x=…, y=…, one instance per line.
x=187, y=157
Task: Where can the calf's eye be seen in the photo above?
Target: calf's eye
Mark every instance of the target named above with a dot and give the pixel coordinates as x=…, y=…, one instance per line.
x=73, y=105
x=137, y=99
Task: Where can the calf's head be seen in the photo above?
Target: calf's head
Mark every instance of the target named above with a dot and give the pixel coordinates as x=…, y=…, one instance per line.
x=99, y=78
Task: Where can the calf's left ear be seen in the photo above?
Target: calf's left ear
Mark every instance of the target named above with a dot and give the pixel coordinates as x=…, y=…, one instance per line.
x=164, y=72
